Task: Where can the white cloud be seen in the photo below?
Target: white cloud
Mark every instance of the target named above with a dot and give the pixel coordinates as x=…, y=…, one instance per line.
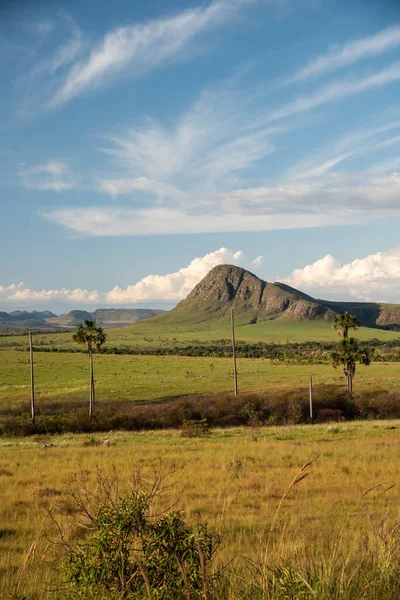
x=171, y=287
x=356, y=143
x=106, y=222
x=122, y=187
x=257, y=262
x=54, y=175
x=329, y=200
x=175, y=286
x=337, y=91
x=20, y=295
x=347, y=54
x=373, y=278
x=189, y=169
x=142, y=47
x=215, y=137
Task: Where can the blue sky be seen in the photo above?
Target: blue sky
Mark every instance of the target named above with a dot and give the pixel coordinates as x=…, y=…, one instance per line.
x=141, y=144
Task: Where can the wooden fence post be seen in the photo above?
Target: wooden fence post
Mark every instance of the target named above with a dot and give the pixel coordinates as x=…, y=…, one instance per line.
x=311, y=400
x=32, y=379
x=235, y=383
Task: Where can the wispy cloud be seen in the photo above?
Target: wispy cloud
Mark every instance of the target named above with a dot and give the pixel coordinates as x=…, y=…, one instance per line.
x=333, y=199
x=54, y=175
x=63, y=56
x=215, y=137
x=42, y=28
x=356, y=143
x=337, y=91
x=374, y=278
x=347, y=54
x=142, y=47
x=170, y=287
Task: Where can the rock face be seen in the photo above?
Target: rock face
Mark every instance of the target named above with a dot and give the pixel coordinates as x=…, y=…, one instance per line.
x=254, y=300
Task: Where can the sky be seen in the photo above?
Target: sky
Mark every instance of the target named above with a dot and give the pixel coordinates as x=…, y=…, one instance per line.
x=143, y=143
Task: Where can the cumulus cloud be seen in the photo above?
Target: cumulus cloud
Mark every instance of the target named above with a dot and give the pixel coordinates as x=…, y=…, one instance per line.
x=18, y=294
x=373, y=278
x=54, y=175
x=171, y=287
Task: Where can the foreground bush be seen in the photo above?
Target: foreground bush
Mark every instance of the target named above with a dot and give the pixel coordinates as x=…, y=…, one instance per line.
x=119, y=549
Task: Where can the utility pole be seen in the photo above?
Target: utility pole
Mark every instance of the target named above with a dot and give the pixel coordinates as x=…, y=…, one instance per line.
x=32, y=379
x=311, y=400
x=235, y=384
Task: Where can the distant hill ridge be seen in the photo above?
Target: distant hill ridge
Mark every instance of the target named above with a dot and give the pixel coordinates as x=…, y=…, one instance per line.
x=107, y=317
x=255, y=300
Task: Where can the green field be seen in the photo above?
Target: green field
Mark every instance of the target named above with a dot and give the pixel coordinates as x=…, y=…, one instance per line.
x=152, y=334
x=234, y=481
x=63, y=376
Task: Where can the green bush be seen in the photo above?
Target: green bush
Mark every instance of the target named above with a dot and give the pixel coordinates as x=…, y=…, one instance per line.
x=125, y=552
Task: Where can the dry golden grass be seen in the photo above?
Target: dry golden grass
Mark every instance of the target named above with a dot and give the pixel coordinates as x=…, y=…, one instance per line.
x=235, y=479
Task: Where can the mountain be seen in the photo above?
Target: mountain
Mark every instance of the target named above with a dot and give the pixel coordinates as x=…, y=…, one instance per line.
x=255, y=300
x=123, y=316
x=34, y=314
x=24, y=320
x=106, y=317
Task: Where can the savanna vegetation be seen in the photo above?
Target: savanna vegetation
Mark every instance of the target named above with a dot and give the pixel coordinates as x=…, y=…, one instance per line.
x=288, y=530
x=173, y=487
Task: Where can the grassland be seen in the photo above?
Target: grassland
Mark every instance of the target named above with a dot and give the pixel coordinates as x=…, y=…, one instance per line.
x=232, y=479
x=153, y=334
x=235, y=478
x=60, y=376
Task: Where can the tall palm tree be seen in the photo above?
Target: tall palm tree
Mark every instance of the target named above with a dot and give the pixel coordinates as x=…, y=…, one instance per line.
x=93, y=337
x=347, y=354
x=345, y=322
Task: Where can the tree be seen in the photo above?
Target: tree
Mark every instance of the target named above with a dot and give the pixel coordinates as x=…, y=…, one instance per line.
x=344, y=322
x=93, y=337
x=347, y=354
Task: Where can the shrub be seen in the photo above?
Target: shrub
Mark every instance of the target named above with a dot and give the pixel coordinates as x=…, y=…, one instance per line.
x=128, y=553
x=195, y=428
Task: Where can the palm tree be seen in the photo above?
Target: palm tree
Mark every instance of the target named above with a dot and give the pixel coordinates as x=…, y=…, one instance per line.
x=93, y=337
x=345, y=322
x=348, y=353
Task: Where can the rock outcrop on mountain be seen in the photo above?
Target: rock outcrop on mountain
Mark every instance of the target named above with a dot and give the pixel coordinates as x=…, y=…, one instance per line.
x=255, y=300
